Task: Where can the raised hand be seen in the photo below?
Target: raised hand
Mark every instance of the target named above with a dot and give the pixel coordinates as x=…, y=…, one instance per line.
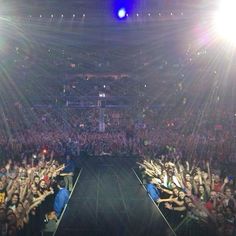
x=168, y=206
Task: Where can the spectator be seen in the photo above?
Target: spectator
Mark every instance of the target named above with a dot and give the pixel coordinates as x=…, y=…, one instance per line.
x=197, y=195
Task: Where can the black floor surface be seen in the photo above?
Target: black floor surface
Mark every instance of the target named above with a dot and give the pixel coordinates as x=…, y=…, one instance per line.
x=109, y=200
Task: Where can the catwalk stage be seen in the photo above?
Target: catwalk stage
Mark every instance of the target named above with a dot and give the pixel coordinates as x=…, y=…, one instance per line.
x=108, y=199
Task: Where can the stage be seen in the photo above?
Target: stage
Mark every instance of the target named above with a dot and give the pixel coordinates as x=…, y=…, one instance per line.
x=108, y=199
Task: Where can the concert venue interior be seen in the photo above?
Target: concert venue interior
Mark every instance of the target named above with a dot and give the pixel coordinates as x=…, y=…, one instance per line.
x=117, y=117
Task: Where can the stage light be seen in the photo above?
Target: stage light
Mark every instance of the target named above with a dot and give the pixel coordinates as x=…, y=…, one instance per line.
x=224, y=20
x=121, y=13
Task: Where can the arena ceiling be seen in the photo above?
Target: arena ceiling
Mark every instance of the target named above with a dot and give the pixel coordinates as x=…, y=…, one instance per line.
x=18, y=7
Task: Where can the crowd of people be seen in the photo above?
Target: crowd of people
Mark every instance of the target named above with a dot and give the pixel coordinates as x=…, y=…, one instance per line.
x=145, y=133
x=196, y=196
x=191, y=171
x=33, y=186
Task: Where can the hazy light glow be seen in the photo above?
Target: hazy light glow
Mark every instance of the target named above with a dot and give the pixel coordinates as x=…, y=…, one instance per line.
x=225, y=19
x=121, y=13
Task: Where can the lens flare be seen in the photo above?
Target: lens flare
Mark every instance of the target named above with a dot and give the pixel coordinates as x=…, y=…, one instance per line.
x=225, y=19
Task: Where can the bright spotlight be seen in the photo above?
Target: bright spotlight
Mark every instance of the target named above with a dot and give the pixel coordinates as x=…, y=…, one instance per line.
x=225, y=19
x=121, y=13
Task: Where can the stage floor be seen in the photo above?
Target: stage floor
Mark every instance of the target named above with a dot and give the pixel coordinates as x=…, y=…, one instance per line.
x=108, y=199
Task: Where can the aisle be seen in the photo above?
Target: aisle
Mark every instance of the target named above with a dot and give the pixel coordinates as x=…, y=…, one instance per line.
x=109, y=200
